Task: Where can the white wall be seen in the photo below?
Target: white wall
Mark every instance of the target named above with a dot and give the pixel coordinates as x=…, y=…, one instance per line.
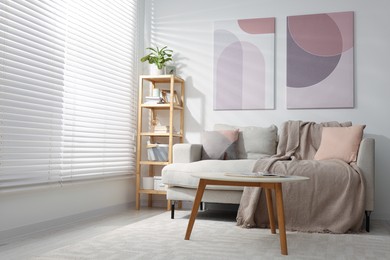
x=33, y=206
x=187, y=27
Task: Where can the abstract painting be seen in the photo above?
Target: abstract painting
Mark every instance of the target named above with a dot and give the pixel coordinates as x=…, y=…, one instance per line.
x=244, y=64
x=320, y=58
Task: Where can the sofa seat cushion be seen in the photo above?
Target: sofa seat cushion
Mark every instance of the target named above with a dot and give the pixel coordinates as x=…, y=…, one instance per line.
x=180, y=174
x=232, y=196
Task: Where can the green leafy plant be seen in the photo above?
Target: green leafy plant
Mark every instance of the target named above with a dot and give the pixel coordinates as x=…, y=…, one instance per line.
x=158, y=56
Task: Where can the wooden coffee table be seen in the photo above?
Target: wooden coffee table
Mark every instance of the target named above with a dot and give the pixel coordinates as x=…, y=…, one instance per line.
x=267, y=183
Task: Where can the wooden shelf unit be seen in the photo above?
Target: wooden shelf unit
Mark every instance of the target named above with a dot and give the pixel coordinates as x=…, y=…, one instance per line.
x=175, y=85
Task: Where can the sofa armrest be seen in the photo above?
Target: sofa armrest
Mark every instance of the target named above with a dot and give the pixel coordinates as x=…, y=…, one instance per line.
x=366, y=163
x=186, y=153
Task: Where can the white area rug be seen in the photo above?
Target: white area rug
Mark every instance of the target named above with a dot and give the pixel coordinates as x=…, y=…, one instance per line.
x=213, y=237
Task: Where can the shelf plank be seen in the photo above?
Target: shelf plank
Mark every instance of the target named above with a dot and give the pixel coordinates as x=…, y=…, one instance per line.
x=159, y=134
x=161, y=106
x=157, y=192
x=153, y=163
x=162, y=78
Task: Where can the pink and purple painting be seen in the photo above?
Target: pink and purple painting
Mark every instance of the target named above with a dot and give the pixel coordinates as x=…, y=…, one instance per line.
x=244, y=64
x=320, y=61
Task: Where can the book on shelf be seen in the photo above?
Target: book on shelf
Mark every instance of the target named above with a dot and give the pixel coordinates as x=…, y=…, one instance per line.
x=157, y=151
x=166, y=132
x=161, y=129
x=152, y=100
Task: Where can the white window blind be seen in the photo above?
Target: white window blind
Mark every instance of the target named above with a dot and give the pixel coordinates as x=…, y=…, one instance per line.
x=67, y=90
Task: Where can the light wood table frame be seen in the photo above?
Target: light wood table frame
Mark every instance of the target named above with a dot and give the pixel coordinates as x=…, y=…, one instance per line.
x=268, y=184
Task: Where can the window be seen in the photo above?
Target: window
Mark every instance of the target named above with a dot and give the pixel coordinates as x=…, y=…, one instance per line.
x=67, y=90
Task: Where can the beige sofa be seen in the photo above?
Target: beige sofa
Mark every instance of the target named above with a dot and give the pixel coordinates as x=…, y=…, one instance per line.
x=253, y=143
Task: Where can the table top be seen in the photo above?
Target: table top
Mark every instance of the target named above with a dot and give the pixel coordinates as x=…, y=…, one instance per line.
x=247, y=177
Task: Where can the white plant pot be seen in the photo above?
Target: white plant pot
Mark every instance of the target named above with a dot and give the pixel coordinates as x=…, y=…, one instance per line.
x=153, y=70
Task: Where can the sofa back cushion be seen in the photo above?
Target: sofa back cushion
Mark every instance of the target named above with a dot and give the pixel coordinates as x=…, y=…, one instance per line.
x=254, y=142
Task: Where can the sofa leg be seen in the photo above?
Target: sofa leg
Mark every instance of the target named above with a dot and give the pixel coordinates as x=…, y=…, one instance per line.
x=368, y=213
x=172, y=209
x=201, y=206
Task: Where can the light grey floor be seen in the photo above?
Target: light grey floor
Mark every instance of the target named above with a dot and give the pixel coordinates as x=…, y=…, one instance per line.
x=24, y=247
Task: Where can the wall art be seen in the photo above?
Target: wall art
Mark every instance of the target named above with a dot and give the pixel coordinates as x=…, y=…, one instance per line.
x=320, y=58
x=244, y=64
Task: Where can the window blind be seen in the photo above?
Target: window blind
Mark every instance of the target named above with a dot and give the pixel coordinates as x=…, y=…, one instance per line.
x=67, y=90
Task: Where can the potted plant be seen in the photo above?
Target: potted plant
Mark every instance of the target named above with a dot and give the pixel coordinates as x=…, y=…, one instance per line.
x=158, y=57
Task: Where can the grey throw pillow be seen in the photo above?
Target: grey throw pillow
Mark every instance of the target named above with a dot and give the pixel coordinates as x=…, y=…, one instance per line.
x=254, y=142
x=219, y=145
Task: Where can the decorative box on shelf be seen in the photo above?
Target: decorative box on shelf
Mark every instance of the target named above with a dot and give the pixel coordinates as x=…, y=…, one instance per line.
x=148, y=183
x=158, y=184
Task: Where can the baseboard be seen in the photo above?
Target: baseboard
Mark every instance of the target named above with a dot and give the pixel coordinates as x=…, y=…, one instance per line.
x=7, y=236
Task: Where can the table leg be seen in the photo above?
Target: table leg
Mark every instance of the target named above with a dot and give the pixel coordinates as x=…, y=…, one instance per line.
x=270, y=208
x=195, y=207
x=281, y=222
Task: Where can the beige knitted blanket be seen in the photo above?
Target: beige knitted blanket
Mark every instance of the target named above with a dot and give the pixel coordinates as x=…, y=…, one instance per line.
x=331, y=201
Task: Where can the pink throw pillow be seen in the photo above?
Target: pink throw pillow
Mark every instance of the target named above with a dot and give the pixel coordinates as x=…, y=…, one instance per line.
x=340, y=143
